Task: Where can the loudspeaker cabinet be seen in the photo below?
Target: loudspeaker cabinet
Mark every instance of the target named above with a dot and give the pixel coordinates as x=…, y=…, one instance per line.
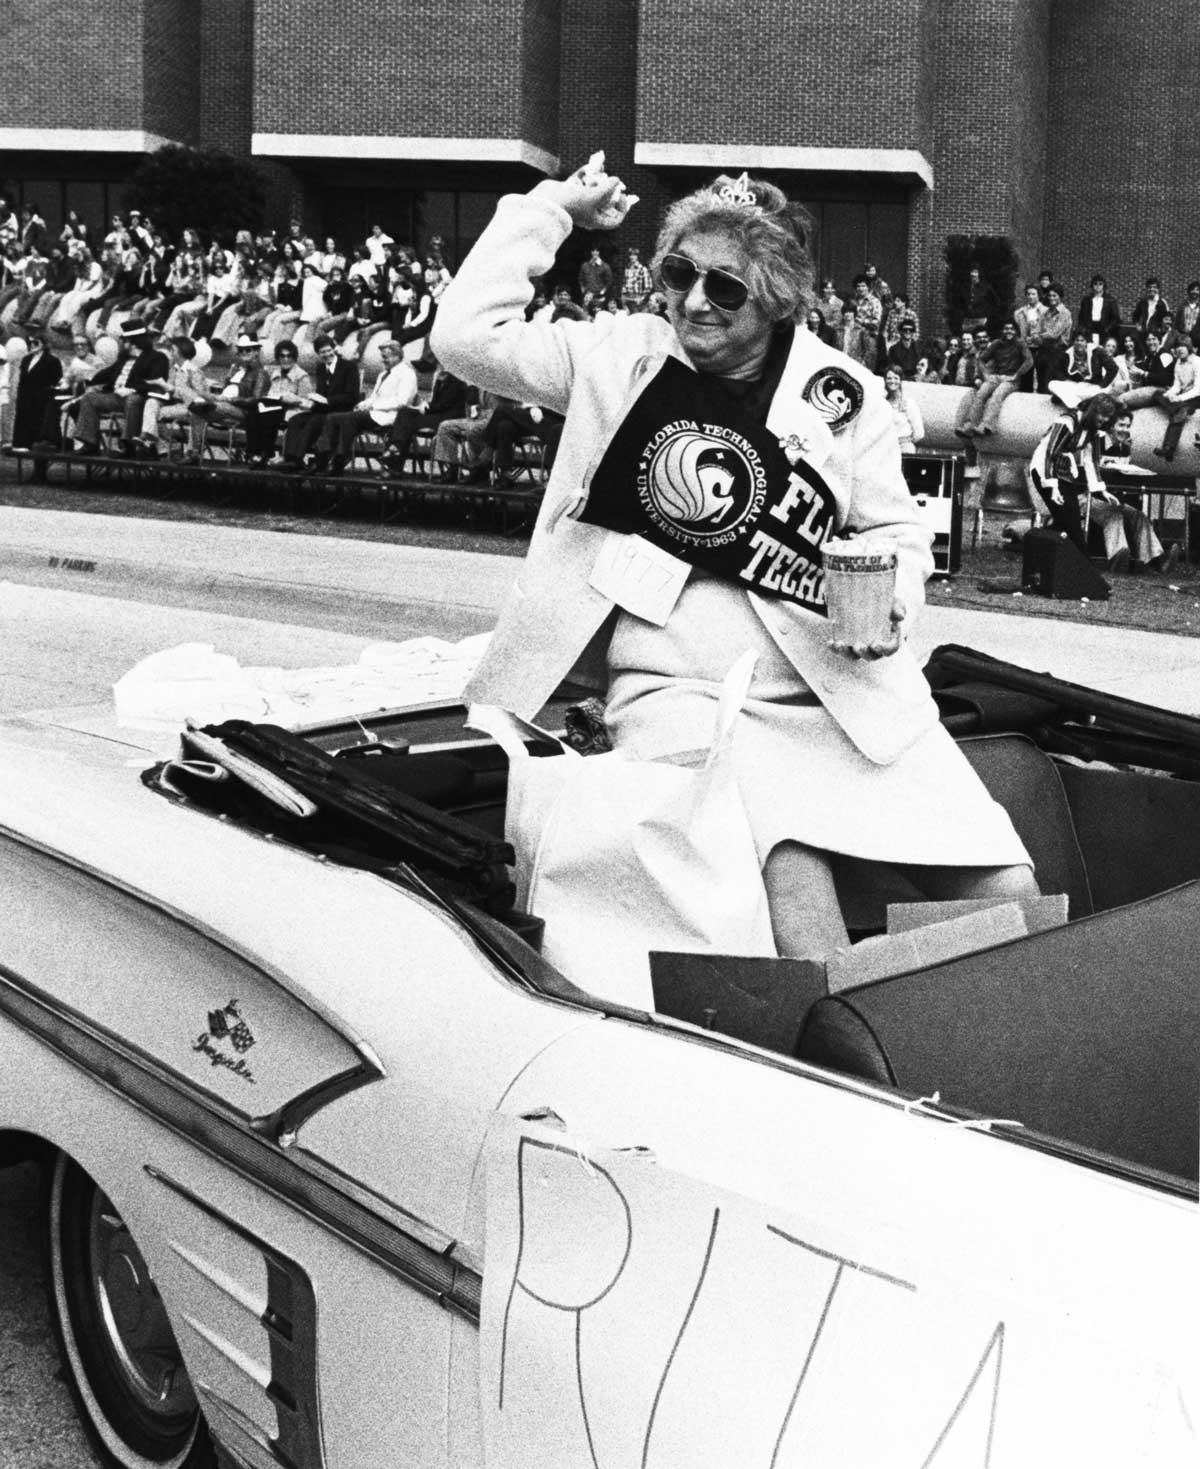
x=935, y=482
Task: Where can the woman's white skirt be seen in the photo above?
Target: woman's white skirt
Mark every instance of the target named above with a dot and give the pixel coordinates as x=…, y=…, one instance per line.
x=800, y=777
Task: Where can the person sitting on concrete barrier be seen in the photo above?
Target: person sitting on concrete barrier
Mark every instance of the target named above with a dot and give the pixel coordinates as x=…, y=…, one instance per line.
x=1002, y=364
x=1120, y=382
x=245, y=315
x=927, y=369
x=1127, y=361
x=1152, y=373
x=70, y=312
x=1181, y=399
x=951, y=351
x=1087, y=367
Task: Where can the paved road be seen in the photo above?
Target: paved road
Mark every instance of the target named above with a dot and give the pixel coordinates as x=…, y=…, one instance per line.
x=38, y=1429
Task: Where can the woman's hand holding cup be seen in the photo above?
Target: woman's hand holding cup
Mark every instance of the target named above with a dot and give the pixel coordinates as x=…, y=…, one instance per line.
x=880, y=648
x=860, y=594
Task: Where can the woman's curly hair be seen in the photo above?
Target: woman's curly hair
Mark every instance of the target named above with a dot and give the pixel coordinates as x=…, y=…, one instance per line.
x=775, y=233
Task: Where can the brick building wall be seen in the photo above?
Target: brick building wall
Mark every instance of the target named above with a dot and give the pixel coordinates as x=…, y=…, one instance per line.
x=541, y=64
x=1028, y=142
x=430, y=69
x=63, y=70
x=989, y=130
x=170, y=76
x=225, y=48
x=226, y=73
x=781, y=73
x=1124, y=121
x=599, y=69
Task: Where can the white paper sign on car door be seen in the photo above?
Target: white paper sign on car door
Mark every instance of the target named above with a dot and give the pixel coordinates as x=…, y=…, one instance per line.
x=634, y=1318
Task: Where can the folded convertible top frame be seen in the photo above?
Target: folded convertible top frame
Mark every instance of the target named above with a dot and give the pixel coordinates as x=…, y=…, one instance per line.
x=388, y=820
x=1062, y=716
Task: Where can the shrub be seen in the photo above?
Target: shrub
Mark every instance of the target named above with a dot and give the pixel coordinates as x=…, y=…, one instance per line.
x=212, y=191
x=998, y=267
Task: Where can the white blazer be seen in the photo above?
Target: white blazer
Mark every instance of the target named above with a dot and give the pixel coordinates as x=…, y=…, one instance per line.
x=554, y=622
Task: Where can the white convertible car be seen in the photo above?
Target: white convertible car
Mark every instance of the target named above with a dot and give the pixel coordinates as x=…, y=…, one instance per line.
x=342, y=1174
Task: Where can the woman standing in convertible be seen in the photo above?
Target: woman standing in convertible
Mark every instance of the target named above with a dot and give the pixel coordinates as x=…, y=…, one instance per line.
x=838, y=748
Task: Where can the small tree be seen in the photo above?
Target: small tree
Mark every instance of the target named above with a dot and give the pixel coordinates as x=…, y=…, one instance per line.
x=211, y=191
x=998, y=267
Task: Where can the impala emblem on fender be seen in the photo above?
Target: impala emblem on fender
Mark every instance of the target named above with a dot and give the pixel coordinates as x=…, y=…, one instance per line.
x=227, y=1027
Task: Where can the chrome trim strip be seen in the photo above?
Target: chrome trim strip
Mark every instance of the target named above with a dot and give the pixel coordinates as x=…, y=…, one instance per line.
x=257, y=1374
x=289, y=1318
x=234, y=1415
x=213, y=936
x=232, y=1289
x=408, y=1247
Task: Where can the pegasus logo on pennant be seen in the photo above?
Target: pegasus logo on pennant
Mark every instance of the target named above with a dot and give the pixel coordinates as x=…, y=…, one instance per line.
x=700, y=482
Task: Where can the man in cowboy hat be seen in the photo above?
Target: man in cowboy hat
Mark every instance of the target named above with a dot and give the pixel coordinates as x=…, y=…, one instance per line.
x=229, y=405
x=121, y=388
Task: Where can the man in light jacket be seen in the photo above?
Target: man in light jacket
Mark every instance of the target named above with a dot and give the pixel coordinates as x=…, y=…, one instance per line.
x=1181, y=399
x=395, y=388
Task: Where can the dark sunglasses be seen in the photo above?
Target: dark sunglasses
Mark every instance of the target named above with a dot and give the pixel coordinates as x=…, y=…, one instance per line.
x=726, y=292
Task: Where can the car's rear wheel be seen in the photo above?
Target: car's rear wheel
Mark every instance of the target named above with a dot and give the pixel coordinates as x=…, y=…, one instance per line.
x=118, y=1351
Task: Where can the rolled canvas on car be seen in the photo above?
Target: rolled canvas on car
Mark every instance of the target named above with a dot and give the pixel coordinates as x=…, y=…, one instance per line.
x=623, y=856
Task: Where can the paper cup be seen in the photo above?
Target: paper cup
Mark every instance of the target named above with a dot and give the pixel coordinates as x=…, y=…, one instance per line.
x=860, y=588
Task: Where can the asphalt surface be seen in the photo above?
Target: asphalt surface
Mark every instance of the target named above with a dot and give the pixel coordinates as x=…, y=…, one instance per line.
x=38, y=1427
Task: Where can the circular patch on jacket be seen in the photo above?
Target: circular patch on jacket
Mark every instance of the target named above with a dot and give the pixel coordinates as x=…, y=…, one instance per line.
x=836, y=395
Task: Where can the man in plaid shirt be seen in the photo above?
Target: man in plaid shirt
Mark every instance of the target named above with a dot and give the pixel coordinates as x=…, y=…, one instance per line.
x=637, y=283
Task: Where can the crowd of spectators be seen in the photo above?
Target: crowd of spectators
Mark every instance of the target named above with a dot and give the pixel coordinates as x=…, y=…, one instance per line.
x=133, y=328
x=1143, y=357
x=197, y=335
x=269, y=301
x=263, y=284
